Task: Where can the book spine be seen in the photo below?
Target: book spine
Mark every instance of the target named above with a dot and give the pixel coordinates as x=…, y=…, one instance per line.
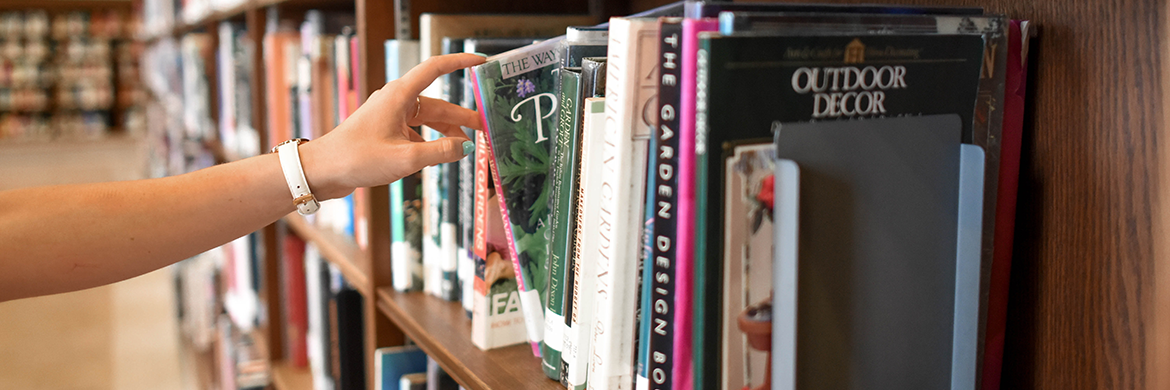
x=561, y=200
x=1015, y=96
x=578, y=346
x=631, y=80
x=704, y=294
x=683, y=375
x=432, y=217
x=529, y=297
x=296, y=307
x=405, y=225
x=661, y=321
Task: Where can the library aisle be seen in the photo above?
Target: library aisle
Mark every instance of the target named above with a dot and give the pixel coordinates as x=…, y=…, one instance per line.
x=121, y=336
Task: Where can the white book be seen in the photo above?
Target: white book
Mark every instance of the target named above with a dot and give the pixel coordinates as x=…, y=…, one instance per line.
x=406, y=261
x=576, y=350
x=631, y=84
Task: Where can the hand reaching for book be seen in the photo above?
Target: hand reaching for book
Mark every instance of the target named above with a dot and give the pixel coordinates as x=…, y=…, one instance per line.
x=71, y=237
x=377, y=144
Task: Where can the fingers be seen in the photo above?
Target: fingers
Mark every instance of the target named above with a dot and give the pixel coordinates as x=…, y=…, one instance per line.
x=432, y=111
x=412, y=83
x=449, y=130
x=412, y=135
x=442, y=150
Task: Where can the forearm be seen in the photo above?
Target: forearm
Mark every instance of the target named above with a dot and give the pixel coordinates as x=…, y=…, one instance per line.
x=65, y=238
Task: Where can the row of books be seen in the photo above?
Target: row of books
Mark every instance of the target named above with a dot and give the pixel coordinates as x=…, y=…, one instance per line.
x=209, y=288
x=37, y=24
x=159, y=17
x=624, y=200
x=79, y=81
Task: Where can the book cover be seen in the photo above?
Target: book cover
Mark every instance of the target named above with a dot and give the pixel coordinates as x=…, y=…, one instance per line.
x=496, y=319
x=514, y=91
x=467, y=169
x=663, y=203
x=592, y=85
x=747, y=266
x=874, y=208
x=578, y=346
x=405, y=194
x=561, y=199
x=391, y=363
x=295, y=301
x=986, y=129
x=631, y=83
x=685, y=274
x=1015, y=97
x=581, y=42
x=820, y=78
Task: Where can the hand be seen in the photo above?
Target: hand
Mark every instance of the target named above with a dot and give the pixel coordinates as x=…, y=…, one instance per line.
x=376, y=145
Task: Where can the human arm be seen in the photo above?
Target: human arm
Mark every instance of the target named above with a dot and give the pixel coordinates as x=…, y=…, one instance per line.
x=65, y=238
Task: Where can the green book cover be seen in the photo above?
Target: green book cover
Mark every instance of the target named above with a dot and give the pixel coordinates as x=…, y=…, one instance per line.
x=515, y=91
x=562, y=207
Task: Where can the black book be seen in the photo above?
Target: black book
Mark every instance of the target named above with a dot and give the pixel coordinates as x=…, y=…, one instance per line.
x=350, y=339
x=711, y=9
x=450, y=183
x=747, y=85
x=581, y=42
x=663, y=204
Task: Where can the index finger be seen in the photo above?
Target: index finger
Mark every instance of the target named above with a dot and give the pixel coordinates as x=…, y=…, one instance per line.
x=418, y=78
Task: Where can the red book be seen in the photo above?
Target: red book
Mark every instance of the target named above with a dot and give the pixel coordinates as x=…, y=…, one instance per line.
x=1015, y=94
x=296, y=310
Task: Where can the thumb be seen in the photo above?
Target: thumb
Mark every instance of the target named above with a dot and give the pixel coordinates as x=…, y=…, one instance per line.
x=442, y=150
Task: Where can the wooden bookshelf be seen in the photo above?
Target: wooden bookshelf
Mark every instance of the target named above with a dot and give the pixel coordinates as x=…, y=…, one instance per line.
x=443, y=330
x=286, y=377
x=335, y=248
x=1089, y=293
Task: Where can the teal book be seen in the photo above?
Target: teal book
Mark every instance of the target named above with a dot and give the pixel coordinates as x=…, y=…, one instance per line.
x=562, y=203
x=391, y=363
x=515, y=93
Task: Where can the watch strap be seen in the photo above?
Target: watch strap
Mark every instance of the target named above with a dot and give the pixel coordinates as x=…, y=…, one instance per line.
x=294, y=176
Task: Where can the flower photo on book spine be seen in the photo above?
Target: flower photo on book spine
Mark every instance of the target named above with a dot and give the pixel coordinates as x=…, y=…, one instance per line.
x=525, y=104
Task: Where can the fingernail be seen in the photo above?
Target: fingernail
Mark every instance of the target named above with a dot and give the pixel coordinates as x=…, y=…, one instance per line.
x=468, y=147
x=481, y=55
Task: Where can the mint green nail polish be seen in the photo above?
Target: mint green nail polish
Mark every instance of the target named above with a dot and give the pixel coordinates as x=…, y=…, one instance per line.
x=468, y=147
x=481, y=55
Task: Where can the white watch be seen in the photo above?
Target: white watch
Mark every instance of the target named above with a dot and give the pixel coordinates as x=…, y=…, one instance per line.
x=294, y=175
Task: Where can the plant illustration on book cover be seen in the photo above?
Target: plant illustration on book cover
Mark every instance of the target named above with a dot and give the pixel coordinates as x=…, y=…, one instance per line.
x=747, y=270
x=516, y=93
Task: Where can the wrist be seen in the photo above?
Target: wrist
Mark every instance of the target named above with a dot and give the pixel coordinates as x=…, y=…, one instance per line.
x=322, y=172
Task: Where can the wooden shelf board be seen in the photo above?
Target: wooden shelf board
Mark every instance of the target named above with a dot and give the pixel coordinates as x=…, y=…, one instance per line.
x=338, y=250
x=286, y=377
x=442, y=329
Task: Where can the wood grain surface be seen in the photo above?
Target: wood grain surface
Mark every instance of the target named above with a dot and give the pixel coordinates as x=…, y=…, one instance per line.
x=443, y=331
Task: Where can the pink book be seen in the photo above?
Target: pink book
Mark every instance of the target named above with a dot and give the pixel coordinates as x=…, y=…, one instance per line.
x=1015, y=93
x=685, y=263
x=354, y=73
